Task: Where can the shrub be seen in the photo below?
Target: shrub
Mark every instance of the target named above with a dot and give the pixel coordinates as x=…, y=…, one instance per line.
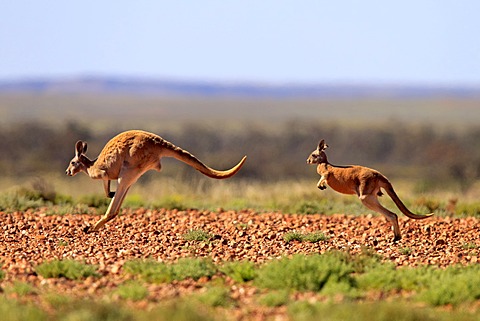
x=380, y=311
x=215, y=297
x=239, y=271
x=453, y=285
x=132, y=291
x=149, y=270
x=306, y=273
x=69, y=269
x=309, y=207
x=274, y=298
x=196, y=235
x=22, y=288
x=157, y=272
x=171, y=202
x=14, y=311
x=309, y=237
x=194, y=268
x=293, y=236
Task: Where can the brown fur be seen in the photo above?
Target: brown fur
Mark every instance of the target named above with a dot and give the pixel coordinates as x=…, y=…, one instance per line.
x=128, y=156
x=364, y=182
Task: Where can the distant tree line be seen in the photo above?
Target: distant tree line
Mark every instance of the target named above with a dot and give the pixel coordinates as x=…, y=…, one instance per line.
x=442, y=155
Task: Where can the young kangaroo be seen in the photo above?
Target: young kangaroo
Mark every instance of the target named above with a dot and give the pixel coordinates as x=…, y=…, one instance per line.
x=362, y=181
x=128, y=156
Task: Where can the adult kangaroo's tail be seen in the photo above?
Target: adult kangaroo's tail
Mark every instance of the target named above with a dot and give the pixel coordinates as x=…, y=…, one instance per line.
x=188, y=158
x=391, y=192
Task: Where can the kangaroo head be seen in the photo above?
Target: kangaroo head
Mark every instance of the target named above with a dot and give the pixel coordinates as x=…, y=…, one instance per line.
x=318, y=156
x=79, y=161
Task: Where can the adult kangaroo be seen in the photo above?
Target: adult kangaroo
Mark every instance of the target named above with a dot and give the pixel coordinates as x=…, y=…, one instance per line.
x=362, y=181
x=128, y=156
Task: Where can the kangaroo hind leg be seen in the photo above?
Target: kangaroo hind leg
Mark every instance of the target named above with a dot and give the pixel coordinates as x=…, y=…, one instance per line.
x=372, y=203
x=124, y=184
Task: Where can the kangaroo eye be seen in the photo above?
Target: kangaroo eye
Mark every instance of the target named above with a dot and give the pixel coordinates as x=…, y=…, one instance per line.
x=72, y=163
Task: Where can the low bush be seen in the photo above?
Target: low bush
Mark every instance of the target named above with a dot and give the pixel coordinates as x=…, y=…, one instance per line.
x=381, y=311
x=158, y=272
x=134, y=291
x=149, y=270
x=239, y=271
x=215, y=297
x=194, y=268
x=69, y=269
x=306, y=273
x=274, y=298
x=197, y=235
x=313, y=237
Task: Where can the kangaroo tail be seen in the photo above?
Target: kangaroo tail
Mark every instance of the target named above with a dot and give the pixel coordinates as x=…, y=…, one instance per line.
x=189, y=159
x=387, y=186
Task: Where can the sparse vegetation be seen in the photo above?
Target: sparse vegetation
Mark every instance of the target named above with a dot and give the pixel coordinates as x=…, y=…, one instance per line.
x=197, y=235
x=69, y=269
x=239, y=271
x=313, y=237
x=157, y=272
x=134, y=291
x=442, y=160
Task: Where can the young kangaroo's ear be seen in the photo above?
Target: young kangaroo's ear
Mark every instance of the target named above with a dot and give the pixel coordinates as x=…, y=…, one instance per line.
x=80, y=148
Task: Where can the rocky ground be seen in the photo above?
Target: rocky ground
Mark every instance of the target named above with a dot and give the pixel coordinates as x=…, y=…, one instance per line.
x=29, y=238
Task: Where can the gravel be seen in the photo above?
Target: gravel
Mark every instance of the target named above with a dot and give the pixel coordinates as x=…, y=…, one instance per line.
x=32, y=237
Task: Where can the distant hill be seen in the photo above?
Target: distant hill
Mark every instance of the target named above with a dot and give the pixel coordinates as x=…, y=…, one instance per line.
x=204, y=88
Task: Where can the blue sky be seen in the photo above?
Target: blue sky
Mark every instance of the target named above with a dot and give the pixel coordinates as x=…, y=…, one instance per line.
x=275, y=41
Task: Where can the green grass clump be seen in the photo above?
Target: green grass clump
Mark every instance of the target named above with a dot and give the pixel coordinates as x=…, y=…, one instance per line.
x=85, y=310
x=306, y=273
x=69, y=269
x=21, y=288
x=274, y=298
x=134, y=291
x=293, y=236
x=197, y=235
x=312, y=207
x=216, y=296
x=468, y=209
x=308, y=237
x=170, y=202
x=149, y=270
x=239, y=271
x=12, y=310
x=380, y=311
x=159, y=272
x=194, y=268
x=454, y=285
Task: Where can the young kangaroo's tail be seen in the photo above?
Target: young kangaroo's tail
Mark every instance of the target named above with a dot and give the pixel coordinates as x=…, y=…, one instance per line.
x=188, y=158
x=391, y=192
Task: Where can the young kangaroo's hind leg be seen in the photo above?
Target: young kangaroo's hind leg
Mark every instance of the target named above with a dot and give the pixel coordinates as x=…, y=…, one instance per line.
x=372, y=203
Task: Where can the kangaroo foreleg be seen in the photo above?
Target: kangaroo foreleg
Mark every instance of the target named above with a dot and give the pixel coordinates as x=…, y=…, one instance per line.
x=106, y=186
x=322, y=183
x=372, y=203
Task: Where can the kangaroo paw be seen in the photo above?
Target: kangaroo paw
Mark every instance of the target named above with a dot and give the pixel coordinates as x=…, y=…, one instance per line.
x=322, y=187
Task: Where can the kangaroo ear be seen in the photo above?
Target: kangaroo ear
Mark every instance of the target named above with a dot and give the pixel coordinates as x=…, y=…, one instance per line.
x=80, y=148
x=322, y=146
